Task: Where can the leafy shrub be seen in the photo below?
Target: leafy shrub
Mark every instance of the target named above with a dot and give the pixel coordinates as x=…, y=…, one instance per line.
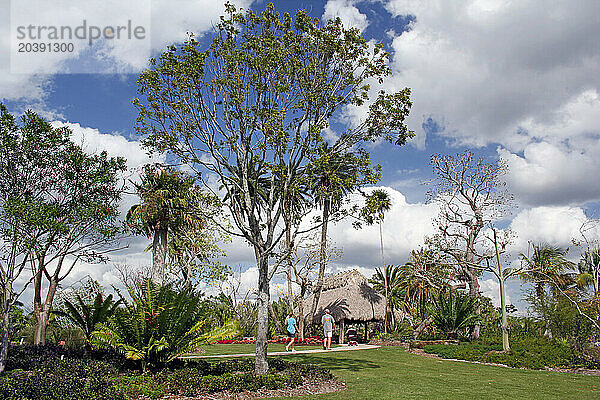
x=187, y=382
x=453, y=312
x=135, y=386
x=31, y=357
x=61, y=380
x=532, y=353
x=236, y=376
x=52, y=372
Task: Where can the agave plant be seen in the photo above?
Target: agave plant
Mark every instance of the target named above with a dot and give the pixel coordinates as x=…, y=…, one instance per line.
x=159, y=325
x=454, y=311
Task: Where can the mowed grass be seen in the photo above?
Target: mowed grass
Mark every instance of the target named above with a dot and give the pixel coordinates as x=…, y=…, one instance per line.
x=392, y=373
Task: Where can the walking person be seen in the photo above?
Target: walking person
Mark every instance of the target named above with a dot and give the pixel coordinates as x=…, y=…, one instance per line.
x=328, y=326
x=290, y=323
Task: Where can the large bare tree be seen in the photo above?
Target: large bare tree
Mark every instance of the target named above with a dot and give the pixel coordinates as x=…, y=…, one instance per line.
x=470, y=193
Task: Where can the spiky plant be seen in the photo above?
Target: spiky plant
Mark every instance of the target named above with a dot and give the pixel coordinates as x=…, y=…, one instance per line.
x=86, y=316
x=454, y=311
x=159, y=325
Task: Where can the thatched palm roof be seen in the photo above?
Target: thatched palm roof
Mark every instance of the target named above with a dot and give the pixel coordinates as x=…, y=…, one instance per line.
x=348, y=296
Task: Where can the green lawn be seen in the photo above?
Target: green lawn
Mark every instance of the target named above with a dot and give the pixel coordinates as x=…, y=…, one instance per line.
x=391, y=373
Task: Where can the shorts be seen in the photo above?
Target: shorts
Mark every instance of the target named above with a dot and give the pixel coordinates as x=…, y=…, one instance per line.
x=328, y=334
x=291, y=335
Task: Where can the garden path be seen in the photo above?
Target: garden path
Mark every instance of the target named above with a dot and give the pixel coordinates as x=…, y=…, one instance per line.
x=341, y=347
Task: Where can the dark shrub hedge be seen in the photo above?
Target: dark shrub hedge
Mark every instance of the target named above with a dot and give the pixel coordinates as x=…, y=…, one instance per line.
x=31, y=357
x=61, y=380
x=51, y=372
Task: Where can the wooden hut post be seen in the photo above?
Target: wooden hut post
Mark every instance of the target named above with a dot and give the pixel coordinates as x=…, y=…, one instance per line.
x=341, y=336
x=366, y=330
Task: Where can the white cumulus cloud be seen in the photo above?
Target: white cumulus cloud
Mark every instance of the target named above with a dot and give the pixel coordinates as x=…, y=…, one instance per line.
x=346, y=10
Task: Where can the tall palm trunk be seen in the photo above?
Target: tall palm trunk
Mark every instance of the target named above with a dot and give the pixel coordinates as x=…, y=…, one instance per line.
x=385, y=279
x=159, y=254
x=322, y=258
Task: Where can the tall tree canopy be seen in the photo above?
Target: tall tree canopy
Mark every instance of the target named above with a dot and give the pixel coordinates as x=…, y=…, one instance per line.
x=66, y=207
x=248, y=112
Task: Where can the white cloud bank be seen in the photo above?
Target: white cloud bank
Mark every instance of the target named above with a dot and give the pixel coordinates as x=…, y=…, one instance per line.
x=169, y=23
x=489, y=69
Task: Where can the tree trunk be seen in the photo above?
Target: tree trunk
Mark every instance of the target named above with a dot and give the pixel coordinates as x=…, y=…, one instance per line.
x=159, y=255
x=421, y=327
x=301, y=318
x=278, y=327
x=501, y=280
x=474, y=291
x=41, y=325
x=5, y=335
x=41, y=310
x=289, y=246
x=385, y=280
x=262, y=324
x=322, y=259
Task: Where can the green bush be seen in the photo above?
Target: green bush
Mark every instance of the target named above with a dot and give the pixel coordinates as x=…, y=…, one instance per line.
x=61, y=380
x=40, y=373
x=186, y=381
x=135, y=386
x=159, y=324
x=533, y=353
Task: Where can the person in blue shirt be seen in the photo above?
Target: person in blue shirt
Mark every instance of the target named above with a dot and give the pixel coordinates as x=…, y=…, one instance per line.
x=290, y=323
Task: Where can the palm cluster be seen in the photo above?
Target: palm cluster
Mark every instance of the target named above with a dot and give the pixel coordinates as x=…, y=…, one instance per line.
x=547, y=267
x=170, y=202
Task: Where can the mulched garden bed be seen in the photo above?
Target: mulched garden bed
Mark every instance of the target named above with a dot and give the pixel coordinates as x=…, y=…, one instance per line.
x=307, y=389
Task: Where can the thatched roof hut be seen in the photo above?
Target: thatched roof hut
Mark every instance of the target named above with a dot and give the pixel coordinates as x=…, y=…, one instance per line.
x=349, y=299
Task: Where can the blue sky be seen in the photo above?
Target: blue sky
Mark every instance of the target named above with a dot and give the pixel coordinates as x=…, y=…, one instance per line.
x=517, y=81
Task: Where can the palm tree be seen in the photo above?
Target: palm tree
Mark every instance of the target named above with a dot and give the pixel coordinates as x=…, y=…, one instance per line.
x=423, y=275
x=377, y=203
x=168, y=200
x=546, y=266
x=388, y=281
x=334, y=174
x=87, y=316
x=588, y=271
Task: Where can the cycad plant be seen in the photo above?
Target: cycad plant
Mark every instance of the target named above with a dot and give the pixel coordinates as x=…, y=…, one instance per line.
x=159, y=325
x=86, y=316
x=454, y=311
